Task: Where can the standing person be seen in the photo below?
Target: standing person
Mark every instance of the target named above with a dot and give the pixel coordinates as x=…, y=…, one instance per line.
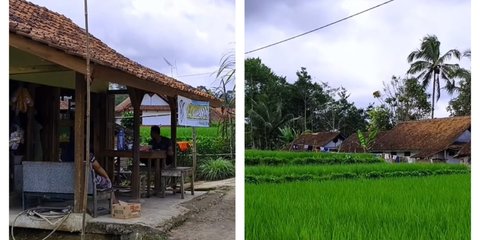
x=159, y=142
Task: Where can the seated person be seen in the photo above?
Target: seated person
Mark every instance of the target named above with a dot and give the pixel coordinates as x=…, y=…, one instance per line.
x=101, y=178
x=159, y=142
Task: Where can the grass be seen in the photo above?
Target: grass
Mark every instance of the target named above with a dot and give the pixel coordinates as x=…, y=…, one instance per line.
x=261, y=157
x=216, y=169
x=434, y=207
x=290, y=173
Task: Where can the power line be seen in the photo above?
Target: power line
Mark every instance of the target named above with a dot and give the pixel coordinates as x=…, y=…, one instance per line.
x=316, y=29
x=196, y=74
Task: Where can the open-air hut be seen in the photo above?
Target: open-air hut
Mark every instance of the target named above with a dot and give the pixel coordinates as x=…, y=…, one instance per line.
x=47, y=59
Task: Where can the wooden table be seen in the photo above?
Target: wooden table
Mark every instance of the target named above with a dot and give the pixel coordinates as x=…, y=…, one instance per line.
x=159, y=156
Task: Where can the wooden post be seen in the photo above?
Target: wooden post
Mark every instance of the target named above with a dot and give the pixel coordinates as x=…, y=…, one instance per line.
x=172, y=102
x=53, y=122
x=194, y=156
x=136, y=99
x=96, y=130
x=80, y=94
x=109, y=130
x=30, y=141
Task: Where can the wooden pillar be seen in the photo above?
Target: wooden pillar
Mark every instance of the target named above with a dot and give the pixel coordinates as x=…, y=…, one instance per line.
x=172, y=102
x=95, y=116
x=30, y=141
x=80, y=102
x=54, y=110
x=109, y=124
x=136, y=99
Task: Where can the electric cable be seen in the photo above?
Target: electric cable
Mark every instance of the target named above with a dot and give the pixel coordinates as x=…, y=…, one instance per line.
x=316, y=29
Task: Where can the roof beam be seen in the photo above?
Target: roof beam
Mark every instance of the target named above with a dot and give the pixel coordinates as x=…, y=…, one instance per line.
x=101, y=72
x=48, y=53
x=15, y=70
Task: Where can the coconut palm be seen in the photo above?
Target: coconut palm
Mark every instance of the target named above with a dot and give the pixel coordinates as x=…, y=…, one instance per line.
x=267, y=120
x=431, y=66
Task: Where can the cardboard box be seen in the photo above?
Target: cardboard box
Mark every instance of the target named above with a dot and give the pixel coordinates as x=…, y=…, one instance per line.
x=126, y=210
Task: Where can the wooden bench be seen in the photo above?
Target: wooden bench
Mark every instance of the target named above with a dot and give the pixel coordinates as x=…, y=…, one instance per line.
x=56, y=179
x=178, y=172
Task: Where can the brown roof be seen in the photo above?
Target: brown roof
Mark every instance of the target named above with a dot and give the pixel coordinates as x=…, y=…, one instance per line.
x=464, y=151
x=352, y=144
x=427, y=136
x=217, y=114
x=317, y=139
x=126, y=105
x=59, y=32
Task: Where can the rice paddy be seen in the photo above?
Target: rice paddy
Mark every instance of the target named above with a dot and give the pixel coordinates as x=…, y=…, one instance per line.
x=433, y=207
x=354, y=199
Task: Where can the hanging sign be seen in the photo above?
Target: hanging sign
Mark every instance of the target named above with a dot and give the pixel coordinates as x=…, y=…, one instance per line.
x=193, y=113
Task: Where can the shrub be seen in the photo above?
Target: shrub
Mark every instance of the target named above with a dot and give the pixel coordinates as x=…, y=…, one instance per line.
x=216, y=169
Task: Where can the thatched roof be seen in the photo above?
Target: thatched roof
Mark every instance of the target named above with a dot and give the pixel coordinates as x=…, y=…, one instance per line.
x=317, y=139
x=352, y=144
x=59, y=32
x=427, y=136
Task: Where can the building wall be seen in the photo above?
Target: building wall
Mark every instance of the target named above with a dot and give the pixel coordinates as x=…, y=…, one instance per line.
x=150, y=118
x=153, y=100
x=465, y=137
x=333, y=145
x=388, y=156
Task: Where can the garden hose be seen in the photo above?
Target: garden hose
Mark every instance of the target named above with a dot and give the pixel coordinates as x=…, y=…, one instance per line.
x=40, y=213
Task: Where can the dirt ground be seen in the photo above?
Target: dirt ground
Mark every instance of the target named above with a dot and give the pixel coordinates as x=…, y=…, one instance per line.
x=212, y=217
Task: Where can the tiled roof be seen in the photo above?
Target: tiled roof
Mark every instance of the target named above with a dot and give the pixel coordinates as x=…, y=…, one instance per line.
x=218, y=114
x=59, y=32
x=427, y=136
x=126, y=105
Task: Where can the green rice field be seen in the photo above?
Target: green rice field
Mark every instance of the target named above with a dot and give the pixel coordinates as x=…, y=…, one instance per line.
x=263, y=157
x=290, y=173
x=430, y=207
x=182, y=132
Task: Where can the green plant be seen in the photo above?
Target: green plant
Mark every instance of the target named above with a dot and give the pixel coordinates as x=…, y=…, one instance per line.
x=433, y=207
x=127, y=120
x=262, y=157
x=294, y=173
x=216, y=169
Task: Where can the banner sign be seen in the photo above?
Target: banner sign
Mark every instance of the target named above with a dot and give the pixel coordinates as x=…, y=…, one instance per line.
x=193, y=113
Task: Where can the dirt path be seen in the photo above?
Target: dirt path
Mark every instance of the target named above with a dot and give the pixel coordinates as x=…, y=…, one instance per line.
x=212, y=217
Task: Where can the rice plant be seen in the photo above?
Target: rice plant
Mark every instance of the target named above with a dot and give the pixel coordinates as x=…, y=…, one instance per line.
x=433, y=207
x=261, y=157
x=290, y=173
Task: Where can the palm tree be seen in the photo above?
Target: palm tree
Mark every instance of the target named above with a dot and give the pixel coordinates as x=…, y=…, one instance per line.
x=267, y=120
x=431, y=66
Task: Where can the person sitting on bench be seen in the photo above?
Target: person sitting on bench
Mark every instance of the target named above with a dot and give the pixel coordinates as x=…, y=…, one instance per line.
x=102, y=181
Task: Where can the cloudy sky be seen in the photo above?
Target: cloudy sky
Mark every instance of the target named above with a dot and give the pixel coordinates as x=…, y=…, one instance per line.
x=191, y=35
x=358, y=53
